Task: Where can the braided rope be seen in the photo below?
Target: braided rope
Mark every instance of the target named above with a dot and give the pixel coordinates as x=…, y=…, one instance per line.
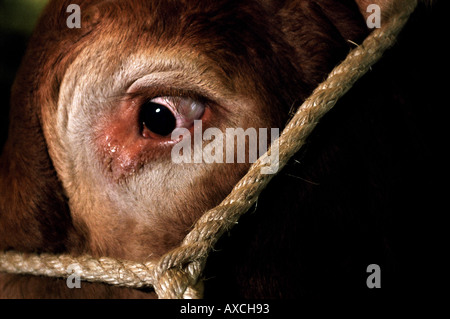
x=177, y=274
x=106, y=270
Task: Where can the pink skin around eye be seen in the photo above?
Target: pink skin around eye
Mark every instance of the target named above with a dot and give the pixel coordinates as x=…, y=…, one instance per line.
x=121, y=146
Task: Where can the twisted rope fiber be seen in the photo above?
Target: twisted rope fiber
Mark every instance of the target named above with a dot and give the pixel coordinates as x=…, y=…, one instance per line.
x=177, y=273
x=107, y=270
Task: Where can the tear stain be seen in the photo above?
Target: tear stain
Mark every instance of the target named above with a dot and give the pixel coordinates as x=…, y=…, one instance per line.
x=122, y=148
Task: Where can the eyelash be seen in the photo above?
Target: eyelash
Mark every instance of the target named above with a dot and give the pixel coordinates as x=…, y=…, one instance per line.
x=147, y=94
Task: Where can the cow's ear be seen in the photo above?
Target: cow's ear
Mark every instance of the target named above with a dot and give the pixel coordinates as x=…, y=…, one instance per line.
x=34, y=214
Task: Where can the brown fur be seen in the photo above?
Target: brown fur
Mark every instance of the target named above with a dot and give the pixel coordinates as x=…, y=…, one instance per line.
x=256, y=58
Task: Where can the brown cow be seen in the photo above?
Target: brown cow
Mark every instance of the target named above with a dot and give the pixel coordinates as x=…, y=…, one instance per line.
x=87, y=167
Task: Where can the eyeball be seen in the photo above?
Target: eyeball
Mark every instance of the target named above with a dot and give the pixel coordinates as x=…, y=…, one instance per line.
x=157, y=118
x=162, y=115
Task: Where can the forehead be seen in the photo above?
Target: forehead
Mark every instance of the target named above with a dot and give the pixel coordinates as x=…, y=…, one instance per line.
x=217, y=27
x=231, y=36
x=232, y=43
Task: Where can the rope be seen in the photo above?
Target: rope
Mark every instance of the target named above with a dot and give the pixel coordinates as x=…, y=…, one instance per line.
x=177, y=274
x=106, y=270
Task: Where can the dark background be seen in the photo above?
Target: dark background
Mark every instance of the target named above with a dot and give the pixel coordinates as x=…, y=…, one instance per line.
x=17, y=19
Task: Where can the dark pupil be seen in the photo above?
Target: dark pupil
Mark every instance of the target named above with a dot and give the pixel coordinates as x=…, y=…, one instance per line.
x=158, y=118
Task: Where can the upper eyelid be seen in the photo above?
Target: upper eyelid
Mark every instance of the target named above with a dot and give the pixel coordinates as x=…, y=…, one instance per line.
x=154, y=92
x=173, y=96
x=172, y=101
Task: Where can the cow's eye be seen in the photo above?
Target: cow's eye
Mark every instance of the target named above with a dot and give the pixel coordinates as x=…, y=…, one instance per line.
x=162, y=115
x=157, y=118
